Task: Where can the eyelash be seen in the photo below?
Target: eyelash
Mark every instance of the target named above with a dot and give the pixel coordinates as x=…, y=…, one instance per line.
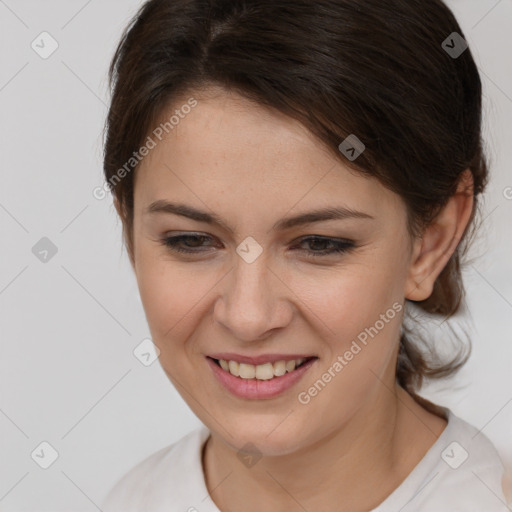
x=341, y=245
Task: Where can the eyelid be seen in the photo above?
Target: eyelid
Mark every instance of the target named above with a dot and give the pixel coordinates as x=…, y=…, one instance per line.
x=172, y=234
x=341, y=245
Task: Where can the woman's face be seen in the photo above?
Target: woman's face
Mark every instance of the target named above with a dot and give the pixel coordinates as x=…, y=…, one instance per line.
x=255, y=286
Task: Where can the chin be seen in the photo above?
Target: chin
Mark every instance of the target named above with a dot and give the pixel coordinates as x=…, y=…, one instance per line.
x=249, y=435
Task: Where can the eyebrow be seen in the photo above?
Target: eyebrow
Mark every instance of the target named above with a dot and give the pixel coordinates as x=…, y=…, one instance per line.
x=318, y=215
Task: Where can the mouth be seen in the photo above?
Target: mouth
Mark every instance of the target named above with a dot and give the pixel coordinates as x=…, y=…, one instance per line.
x=264, y=371
x=262, y=381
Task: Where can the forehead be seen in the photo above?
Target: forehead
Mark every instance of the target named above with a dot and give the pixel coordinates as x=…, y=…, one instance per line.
x=229, y=152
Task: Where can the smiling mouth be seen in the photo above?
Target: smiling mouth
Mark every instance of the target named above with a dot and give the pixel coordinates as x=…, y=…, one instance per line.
x=266, y=371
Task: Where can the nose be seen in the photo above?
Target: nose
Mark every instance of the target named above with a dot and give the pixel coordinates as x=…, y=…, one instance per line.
x=253, y=301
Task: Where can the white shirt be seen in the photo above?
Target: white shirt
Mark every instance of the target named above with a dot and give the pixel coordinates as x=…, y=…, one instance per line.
x=461, y=472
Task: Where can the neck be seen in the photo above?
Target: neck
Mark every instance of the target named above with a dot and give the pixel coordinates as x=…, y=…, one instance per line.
x=356, y=466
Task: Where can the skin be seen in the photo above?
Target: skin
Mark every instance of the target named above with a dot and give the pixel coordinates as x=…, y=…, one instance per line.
x=356, y=440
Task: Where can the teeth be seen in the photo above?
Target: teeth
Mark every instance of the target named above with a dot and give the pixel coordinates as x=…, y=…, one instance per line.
x=233, y=368
x=264, y=371
x=246, y=371
x=290, y=366
x=279, y=368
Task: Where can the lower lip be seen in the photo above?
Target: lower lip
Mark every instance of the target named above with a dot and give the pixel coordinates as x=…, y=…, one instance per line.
x=258, y=389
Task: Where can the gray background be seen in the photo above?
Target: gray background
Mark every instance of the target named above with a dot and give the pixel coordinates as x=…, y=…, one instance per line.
x=68, y=327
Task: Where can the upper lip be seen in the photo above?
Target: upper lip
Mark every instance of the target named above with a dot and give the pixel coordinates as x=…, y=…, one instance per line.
x=261, y=359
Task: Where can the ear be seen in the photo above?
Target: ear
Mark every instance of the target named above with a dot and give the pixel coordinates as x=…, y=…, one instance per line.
x=432, y=251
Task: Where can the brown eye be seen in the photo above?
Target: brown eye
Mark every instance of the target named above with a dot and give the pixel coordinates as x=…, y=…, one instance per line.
x=185, y=243
x=319, y=245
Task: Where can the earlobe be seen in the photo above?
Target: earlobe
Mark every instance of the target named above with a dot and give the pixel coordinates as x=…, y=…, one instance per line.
x=439, y=241
x=415, y=286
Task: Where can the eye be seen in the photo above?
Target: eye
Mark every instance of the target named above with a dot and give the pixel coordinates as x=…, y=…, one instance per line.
x=338, y=246
x=173, y=242
x=319, y=245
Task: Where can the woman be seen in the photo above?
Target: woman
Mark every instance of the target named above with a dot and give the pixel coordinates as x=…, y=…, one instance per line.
x=292, y=176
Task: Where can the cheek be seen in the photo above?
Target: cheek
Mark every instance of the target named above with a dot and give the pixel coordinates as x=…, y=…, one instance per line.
x=344, y=301
x=357, y=312
x=360, y=315
x=169, y=291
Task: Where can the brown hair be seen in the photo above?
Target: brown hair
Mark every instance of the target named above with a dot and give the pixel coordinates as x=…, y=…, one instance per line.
x=365, y=67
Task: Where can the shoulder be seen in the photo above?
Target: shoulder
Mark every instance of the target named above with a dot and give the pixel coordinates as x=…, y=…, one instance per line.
x=469, y=471
x=470, y=449
x=158, y=477
x=461, y=472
